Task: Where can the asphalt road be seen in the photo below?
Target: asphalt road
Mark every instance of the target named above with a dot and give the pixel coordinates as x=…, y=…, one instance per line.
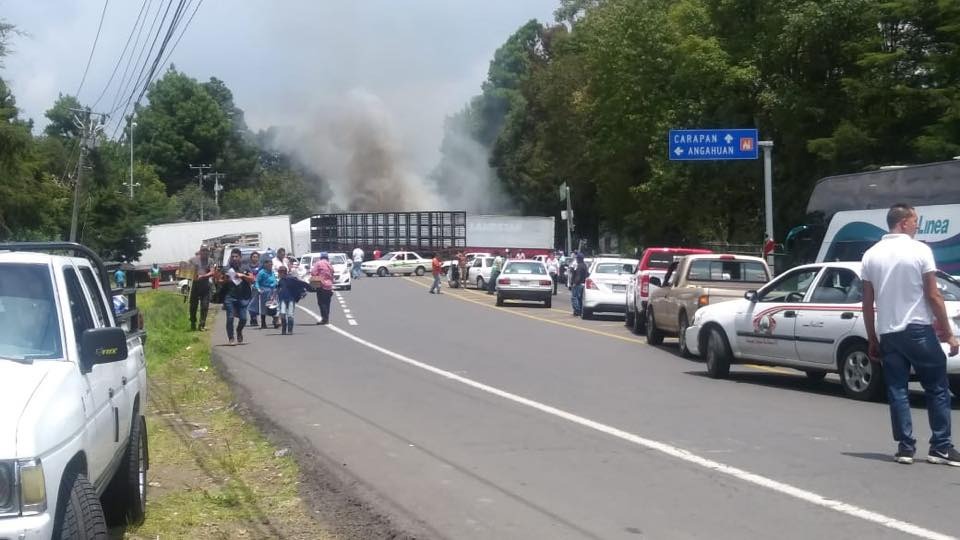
x=458, y=419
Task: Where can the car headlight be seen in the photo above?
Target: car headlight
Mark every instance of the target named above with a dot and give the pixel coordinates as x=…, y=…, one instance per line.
x=22, y=488
x=7, y=487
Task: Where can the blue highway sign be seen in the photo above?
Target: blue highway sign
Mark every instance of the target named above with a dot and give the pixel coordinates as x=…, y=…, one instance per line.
x=713, y=144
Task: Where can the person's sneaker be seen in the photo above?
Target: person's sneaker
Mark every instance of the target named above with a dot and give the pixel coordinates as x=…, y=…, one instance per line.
x=949, y=456
x=232, y=343
x=904, y=456
x=239, y=336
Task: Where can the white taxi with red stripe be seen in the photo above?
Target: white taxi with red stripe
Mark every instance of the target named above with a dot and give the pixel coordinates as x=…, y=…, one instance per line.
x=809, y=318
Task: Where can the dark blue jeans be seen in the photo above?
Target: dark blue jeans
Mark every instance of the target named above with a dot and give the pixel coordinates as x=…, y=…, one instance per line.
x=576, y=299
x=917, y=346
x=235, y=308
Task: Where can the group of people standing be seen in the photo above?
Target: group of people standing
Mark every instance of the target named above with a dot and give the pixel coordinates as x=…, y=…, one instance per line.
x=264, y=287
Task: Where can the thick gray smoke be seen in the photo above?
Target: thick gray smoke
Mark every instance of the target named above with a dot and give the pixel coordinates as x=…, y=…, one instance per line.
x=354, y=146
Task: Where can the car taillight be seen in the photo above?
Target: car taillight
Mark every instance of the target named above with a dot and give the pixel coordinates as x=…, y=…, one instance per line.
x=546, y=282
x=590, y=284
x=703, y=300
x=645, y=285
x=503, y=281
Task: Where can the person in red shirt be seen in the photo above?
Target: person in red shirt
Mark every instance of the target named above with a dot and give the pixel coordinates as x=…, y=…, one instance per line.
x=321, y=277
x=437, y=272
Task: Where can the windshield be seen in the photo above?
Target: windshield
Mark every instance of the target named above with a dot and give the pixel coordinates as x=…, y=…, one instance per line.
x=29, y=325
x=387, y=256
x=532, y=267
x=723, y=270
x=338, y=259
x=613, y=268
x=949, y=287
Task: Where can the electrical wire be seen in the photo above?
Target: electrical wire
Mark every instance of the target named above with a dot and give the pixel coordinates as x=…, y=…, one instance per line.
x=93, y=49
x=124, y=81
x=123, y=53
x=182, y=32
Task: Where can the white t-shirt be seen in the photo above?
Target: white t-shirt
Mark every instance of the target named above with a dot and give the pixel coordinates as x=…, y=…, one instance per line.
x=895, y=266
x=357, y=255
x=277, y=263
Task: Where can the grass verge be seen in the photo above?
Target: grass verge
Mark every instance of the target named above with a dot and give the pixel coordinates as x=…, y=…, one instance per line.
x=212, y=475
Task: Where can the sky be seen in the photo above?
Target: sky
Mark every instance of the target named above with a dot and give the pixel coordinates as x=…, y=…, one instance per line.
x=285, y=61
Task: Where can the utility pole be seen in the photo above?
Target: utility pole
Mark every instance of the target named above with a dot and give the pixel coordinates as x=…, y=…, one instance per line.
x=767, y=147
x=199, y=169
x=568, y=215
x=217, y=187
x=89, y=124
x=132, y=125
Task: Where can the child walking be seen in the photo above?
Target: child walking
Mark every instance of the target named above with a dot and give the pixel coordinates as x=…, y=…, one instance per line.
x=265, y=286
x=290, y=290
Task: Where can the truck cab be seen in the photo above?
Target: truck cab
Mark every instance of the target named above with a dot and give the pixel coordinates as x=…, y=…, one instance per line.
x=73, y=384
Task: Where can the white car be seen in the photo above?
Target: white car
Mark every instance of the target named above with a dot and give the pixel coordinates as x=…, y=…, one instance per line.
x=73, y=389
x=397, y=262
x=606, y=287
x=524, y=279
x=341, y=269
x=479, y=271
x=809, y=318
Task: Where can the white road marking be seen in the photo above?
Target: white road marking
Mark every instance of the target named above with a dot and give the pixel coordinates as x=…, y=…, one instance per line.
x=673, y=451
x=346, y=311
x=352, y=322
x=349, y=316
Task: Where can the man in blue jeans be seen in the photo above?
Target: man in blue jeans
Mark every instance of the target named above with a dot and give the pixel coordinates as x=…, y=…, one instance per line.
x=899, y=274
x=578, y=278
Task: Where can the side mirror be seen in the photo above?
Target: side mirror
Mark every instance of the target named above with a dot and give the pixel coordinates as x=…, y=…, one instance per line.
x=102, y=346
x=750, y=295
x=655, y=281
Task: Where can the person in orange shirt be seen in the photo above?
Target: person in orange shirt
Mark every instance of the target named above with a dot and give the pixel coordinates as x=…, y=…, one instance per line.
x=437, y=272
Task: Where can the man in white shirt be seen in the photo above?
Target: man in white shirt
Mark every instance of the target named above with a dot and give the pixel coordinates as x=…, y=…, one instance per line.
x=280, y=260
x=357, y=261
x=899, y=274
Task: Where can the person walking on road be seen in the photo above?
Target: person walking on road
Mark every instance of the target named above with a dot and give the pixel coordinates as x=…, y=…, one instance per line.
x=254, y=307
x=155, y=276
x=577, y=280
x=357, y=261
x=280, y=260
x=899, y=274
x=265, y=289
x=239, y=283
x=553, y=268
x=200, y=288
x=437, y=269
x=321, y=277
x=462, y=268
x=494, y=274
x=290, y=290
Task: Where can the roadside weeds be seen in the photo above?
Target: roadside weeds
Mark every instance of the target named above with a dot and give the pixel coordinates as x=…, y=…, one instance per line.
x=212, y=475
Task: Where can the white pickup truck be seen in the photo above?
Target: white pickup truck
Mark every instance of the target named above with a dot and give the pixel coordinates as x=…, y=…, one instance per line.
x=73, y=387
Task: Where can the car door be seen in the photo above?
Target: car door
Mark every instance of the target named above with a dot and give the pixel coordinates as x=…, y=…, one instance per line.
x=476, y=266
x=829, y=314
x=766, y=328
x=101, y=438
x=665, y=312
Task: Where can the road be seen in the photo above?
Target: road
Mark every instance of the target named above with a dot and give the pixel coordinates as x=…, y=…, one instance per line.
x=459, y=419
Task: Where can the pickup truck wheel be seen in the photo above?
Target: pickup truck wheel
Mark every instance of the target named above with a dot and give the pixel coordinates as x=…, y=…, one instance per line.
x=628, y=320
x=382, y=272
x=860, y=378
x=654, y=335
x=639, y=327
x=79, y=514
x=718, y=355
x=682, y=326
x=126, y=497
x=420, y=271
x=955, y=385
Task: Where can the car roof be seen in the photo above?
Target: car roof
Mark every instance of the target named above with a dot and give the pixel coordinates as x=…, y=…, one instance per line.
x=622, y=260
x=36, y=257
x=725, y=256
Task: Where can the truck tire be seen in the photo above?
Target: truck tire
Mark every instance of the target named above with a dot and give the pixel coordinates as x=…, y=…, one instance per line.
x=717, y=354
x=79, y=514
x=382, y=272
x=628, y=319
x=126, y=498
x=548, y=302
x=639, y=323
x=420, y=271
x=654, y=335
x=860, y=378
x=682, y=325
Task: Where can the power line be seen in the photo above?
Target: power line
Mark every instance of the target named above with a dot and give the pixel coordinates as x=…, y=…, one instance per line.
x=93, y=49
x=182, y=32
x=124, y=82
x=143, y=69
x=123, y=53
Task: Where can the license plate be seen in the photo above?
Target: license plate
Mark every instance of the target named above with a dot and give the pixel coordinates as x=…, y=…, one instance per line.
x=619, y=288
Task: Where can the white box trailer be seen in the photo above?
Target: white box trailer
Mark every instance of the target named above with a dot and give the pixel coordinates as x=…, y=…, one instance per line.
x=534, y=234
x=300, y=233
x=171, y=243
